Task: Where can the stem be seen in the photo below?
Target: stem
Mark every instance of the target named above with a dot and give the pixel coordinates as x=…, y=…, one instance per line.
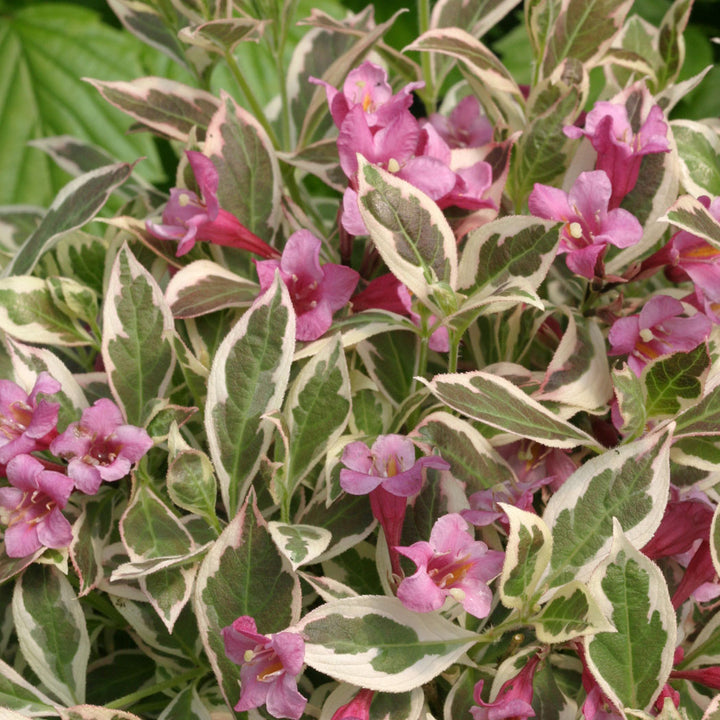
x=252, y=100
x=132, y=698
x=429, y=94
x=454, y=350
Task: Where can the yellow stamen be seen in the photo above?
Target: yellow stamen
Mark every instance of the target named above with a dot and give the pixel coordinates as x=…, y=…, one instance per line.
x=393, y=165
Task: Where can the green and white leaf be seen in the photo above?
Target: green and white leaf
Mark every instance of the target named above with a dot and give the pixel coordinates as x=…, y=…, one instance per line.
x=472, y=459
x=630, y=395
x=203, y=287
x=497, y=402
x=699, y=150
x=377, y=643
x=715, y=540
x=300, y=544
x=690, y=214
x=248, y=171
x=527, y=555
x=629, y=483
x=137, y=346
x=21, y=696
x=269, y=592
x=571, y=612
x=317, y=410
x=410, y=232
x=248, y=379
x=633, y=663
x=51, y=630
x=223, y=35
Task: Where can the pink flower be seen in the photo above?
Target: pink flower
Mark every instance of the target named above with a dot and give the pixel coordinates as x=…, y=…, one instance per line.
x=620, y=150
x=270, y=666
x=657, y=330
x=357, y=709
x=466, y=127
x=316, y=291
x=388, y=293
x=366, y=88
x=453, y=564
x=26, y=423
x=32, y=507
x=188, y=218
x=99, y=446
x=514, y=699
x=589, y=226
x=390, y=474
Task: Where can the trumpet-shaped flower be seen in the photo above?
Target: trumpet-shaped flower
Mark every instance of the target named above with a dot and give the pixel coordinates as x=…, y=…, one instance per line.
x=316, y=291
x=27, y=422
x=465, y=127
x=451, y=564
x=589, y=225
x=657, y=330
x=514, y=699
x=390, y=474
x=357, y=709
x=620, y=150
x=270, y=665
x=189, y=218
x=100, y=446
x=30, y=508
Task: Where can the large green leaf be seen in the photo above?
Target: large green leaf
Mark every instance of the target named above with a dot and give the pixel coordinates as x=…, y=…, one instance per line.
x=45, y=51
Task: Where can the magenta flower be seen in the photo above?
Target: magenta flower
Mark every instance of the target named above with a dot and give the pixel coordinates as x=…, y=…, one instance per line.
x=366, y=87
x=514, y=699
x=188, y=218
x=270, y=665
x=589, y=226
x=316, y=291
x=390, y=474
x=31, y=507
x=620, y=150
x=388, y=293
x=357, y=709
x=465, y=127
x=451, y=564
x=100, y=446
x=26, y=422
x=657, y=330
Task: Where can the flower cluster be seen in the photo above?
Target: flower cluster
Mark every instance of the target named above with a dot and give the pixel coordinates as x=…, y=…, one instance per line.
x=97, y=447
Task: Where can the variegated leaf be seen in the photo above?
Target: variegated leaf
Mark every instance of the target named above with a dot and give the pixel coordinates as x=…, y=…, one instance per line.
x=629, y=483
x=715, y=540
x=249, y=174
x=300, y=544
x=629, y=392
x=571, y=612
x=690, y=214
x=317, y=410
x=578, y=374
x=377, y=643
x=702, y=419
x=203, y=287
x=269, y=591
x=76, y=204
x=699, y=150
x=95, y=712
x=191, y=482
x=632, y=663
x=671, y=43
x=410, y=232
x=497, y=402
x=29, y=313
x=51, y=629
x=584, y=29
x=19, y=695
x=472, y=459
x=137, y=331
x=170, y=108
x=527, y=555
x=503, y=250
x=186, y=704
x=248, y=379
x=168, y=591
x=221, y=36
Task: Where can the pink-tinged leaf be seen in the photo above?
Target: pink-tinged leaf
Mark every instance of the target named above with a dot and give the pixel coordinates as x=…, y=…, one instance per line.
x=170, y=108
x=137, y=337
x=248, y=379
x=691, y=215
x=76, y=204
x=204, y=287
x=410, y=232
x=497, y=402
x=248, y=171
x=269, y=592
x=146, y=23
x=583, y=30
x=221, y=36
x=319, y=159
